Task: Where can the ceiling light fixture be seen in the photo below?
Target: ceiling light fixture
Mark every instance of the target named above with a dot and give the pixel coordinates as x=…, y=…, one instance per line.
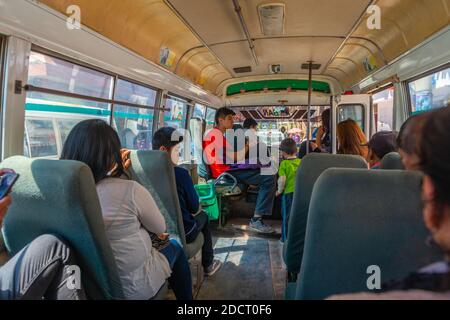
x=272, y=18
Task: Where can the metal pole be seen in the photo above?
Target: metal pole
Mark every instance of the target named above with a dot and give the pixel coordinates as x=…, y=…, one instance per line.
x=308, y=134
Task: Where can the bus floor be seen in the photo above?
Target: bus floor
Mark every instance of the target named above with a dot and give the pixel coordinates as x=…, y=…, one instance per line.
x=252, y=269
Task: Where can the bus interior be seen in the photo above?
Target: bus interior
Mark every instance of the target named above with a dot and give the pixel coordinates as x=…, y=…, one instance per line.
x=140, y=65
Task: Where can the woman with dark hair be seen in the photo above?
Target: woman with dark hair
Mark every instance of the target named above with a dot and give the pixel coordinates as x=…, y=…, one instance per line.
x=131, y=216
x=431, y=282
x=408, y=140
x=323, y=138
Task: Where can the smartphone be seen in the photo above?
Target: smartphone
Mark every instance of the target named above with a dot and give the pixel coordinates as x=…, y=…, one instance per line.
x=7, y=181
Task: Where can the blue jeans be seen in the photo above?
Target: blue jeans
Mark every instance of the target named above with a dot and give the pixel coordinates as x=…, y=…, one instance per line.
x=286, y=209
x=180, y=279
x=267, y=188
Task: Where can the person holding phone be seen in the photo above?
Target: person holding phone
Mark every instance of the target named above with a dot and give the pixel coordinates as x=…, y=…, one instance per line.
x=40, y=270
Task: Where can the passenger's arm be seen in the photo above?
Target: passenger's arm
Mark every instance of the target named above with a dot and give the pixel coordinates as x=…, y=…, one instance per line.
x=148, y=212
x=281, y=185
x=281, y=179
x=192, y=200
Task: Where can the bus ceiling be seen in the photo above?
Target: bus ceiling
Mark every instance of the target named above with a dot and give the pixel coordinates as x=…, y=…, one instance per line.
x=209, y=44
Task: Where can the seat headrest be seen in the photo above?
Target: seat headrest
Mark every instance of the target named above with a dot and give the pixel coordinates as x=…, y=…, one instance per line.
x=392, y=161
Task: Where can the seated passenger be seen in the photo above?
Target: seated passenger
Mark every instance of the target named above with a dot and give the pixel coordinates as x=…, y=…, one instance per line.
x=220, y=155
x=194, y=219
x=431, y=282
x=408, y=140
x=131, y=216
x=286, y=180
x=351, y=139
x=313, y=148
x=323, y=138
x=381, y=144
x=40, y=270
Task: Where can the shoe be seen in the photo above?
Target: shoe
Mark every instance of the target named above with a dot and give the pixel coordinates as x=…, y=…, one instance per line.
x=261, y=227
x=213, y=268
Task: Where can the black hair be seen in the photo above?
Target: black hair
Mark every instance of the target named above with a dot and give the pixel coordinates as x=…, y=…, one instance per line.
x=250, y=123
x=410, y=133
x=97, y=144
x=222, y=113
x=435, y=153
x=326, y=119
x=167, y=137
x=289, y=146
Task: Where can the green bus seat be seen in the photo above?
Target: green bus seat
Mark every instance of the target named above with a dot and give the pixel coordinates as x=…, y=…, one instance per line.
x=154, y=171
x=392, y=161
x=358, y=219
x=59, y=198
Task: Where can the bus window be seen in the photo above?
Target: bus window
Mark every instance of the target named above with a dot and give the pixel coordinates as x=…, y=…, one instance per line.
x=41, y=138
x=199, y=111
x=430, y=92
x=176, y=115
x=53, y=73
x=134, y=125
x=50, y=117
x=210, y=122
x=351, y=111
x=383, y=106
x=195, y=128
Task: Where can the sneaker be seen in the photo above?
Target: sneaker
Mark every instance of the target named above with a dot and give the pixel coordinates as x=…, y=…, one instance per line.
x=213, y=268
x=261, y=227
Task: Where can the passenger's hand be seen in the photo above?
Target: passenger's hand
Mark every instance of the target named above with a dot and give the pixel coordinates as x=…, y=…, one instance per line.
x=320, y=133
x=125, y=153
x=4, y=171
x=313, y=146
x=4, y=204
x=277, y=194
x=163, y=236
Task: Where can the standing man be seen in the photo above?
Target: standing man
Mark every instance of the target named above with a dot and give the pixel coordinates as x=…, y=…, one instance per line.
x=220, y=155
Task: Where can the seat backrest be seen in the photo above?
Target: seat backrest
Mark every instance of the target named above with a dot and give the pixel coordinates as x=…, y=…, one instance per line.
x=392, y=161
x=59, y=197
x=154, y=170
x=361, y=218
x=311, y=167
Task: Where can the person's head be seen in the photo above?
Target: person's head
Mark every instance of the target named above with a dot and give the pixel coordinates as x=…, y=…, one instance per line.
x=408, y=140
x=168, y=139
x=326, y=119
x=97, y=144
x=224, y=118
x=251, y=124
x=434, y=157
x=283, y=130
x=381, y=144
x=351, y=139
x=288, y=148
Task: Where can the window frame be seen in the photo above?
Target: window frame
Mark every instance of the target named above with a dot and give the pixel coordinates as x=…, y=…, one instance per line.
x=3, y=44
x=352, y=104
x=418, y=77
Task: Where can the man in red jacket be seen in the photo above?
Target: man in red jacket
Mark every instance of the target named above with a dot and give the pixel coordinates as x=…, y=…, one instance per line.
x=220, y=154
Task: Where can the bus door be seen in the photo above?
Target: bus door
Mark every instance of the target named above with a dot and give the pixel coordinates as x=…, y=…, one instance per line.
x=356, y=107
